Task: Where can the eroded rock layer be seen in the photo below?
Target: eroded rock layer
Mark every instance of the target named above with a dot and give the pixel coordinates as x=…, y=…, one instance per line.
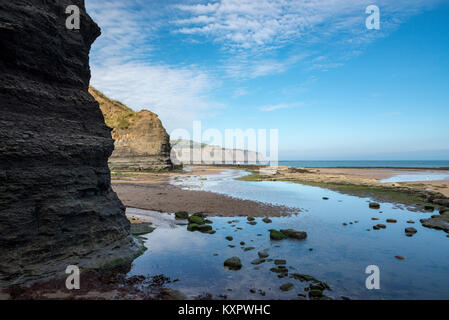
x=141, y=142
x=57, y=207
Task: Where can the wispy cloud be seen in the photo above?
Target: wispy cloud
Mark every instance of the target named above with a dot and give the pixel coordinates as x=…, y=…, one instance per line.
x=177, y=95
x=262, y=24
x=123, y=66
x=275, y=107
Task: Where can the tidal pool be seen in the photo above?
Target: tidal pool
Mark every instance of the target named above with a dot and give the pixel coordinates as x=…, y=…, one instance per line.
x=332, y=252
x=410, y=177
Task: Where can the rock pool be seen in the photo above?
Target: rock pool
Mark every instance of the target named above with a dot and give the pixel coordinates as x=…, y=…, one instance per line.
x=335, y=253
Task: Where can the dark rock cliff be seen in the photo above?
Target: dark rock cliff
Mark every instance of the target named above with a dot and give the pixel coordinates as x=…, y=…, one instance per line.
x=56, y=204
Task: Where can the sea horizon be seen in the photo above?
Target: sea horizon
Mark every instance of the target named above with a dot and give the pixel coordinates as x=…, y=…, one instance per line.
x=411, y=164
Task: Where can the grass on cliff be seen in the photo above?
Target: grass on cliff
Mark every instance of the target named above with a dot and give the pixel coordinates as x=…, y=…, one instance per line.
x=116, y=114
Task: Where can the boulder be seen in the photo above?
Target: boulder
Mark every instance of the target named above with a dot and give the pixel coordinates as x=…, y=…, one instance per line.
x=196, y=220
x=410, y=231
x=277, y=235
x=286, y=286
x=300, y=235
x=233, y=263
x=181, y=215
x=441, y=202
x=374, y=205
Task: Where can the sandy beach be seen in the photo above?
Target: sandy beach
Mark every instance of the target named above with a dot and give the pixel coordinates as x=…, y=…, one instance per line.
x=164, y=197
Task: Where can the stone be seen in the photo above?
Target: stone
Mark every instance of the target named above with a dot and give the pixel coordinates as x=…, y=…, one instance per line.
x=229, y=238
x=392, y=221
x=410, y=221
x=439, y=223
x=441, y=202
x=57, y=204
x=233, y=263
x=280, y=269
x=267, y=220
x=248, y=248
x=263, y=254
x=277, y=235
x=286, y=286
x=253, y=223
x=250, y=219
x=315, y=293
x=280, y=262
x=374, y=205
x=399, y=257
x=300, y=235
x=192, y=227
x=303, y=277
x=258, y=261
x=181, y=215
x=204, y=228
x=196, y=220
x=141, y=228
x=325, y=198
x=141, y=142
x=410, y=231
x=429, y=208
x=374, y=219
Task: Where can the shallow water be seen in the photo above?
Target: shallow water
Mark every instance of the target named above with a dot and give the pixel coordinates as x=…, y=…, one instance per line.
x=339, y=253
x=409, y=177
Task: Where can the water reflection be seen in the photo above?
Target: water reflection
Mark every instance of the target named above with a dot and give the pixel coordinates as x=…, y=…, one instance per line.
x=332, y=252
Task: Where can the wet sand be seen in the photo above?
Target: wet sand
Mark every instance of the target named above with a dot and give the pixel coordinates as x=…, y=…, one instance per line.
x=365, y=177
x=152, y=191
x=164, y=197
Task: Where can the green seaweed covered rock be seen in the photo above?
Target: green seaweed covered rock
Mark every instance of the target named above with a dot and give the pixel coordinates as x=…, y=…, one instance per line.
x=181, y=215
x=300, y=235
x=192, y=227
x=196, y=220
x=277, y=235
x=233, y=263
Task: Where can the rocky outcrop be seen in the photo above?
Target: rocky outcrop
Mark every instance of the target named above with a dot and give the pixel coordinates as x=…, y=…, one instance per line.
x=141, y=142
x=57, y=207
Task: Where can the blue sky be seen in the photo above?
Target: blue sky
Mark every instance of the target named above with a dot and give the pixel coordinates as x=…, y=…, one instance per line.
x=334, y=89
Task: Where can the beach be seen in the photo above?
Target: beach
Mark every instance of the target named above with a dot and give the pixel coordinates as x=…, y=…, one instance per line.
x=153, y=191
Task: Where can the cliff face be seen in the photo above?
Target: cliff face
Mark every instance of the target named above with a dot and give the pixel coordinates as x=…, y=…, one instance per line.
x=141, y=142
x=190, y=152
x=57, y=207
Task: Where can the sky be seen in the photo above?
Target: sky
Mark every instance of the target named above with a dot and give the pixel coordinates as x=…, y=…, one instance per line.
x=311, y=69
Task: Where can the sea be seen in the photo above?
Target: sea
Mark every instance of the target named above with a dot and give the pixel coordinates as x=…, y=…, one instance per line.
x=425, y=164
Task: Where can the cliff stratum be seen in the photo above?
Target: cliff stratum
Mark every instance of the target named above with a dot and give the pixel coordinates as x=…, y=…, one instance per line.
x=57, y=207
x=141, y=142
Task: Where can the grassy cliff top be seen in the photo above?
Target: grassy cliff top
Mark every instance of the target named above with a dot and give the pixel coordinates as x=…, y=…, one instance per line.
x=116, y=114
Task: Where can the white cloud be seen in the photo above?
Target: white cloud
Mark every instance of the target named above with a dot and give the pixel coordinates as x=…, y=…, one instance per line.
x=262, y=24
x=122, y=67
x=177, y=95
x=275, y=107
